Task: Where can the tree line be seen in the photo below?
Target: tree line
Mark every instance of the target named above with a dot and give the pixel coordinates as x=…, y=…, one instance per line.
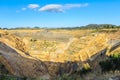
x=94, y=26
x=89, y=26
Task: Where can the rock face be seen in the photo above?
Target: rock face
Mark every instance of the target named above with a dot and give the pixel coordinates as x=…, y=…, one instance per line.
x=14, y=56
x=21, y=65
x=13, y=40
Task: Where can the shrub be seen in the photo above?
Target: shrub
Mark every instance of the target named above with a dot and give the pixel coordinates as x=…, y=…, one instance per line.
x=111, y=64
x=65, y=77
x=5, y=77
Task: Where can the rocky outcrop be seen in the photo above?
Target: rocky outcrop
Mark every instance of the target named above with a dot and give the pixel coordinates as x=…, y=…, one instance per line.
x=13, y=56
x=21, y=65
x=13, y=40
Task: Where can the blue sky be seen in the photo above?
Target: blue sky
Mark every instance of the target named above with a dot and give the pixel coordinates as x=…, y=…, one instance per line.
x=58, y=13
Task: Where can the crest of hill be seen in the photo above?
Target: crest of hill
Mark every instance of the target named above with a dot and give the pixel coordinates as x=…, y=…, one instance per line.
x=12, y=40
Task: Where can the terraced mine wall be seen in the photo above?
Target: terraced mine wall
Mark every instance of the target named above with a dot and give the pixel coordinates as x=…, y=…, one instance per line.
x=20, y=64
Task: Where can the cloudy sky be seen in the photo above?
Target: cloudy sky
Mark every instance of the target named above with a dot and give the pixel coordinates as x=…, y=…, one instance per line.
x=58, y=13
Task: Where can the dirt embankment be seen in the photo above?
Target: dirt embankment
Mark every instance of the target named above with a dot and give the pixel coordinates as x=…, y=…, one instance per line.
x=17, y=61
x=13, y=57
x=13, y=40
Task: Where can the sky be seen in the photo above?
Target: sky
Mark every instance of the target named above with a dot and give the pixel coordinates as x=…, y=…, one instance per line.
x=58, y=13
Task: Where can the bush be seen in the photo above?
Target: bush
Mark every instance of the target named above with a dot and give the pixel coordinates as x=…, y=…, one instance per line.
x=65, y=77
x=85, y=71
x=111, y=64
x=5, y=77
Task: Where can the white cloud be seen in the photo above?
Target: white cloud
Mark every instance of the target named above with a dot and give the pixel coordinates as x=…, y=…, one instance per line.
x=33, y=6
x=23, y=9
x=68, y=6
x=52, y=8
x=60, y=8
